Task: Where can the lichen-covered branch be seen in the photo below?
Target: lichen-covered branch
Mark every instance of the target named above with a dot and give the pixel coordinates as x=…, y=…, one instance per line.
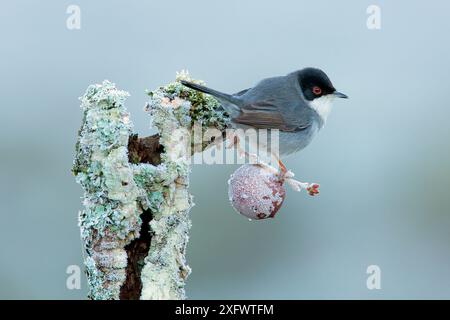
x=135, y=221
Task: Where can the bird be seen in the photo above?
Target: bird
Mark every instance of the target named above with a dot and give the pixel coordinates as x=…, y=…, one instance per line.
x=297, y=104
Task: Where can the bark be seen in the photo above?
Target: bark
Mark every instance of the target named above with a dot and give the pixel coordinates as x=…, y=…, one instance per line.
x=145, y=150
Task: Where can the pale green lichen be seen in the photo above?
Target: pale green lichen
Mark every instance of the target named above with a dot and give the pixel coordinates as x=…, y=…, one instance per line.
x=148, y=179
x=96, y=280
x=174, y=109
x=165, y=269
x=101, y=164
x=117, y=192
x=188, y=106
x=110, y=199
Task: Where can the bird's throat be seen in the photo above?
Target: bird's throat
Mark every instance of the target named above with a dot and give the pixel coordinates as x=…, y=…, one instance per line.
x=322, y=106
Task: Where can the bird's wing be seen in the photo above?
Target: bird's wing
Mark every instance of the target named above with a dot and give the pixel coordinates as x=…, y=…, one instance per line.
x=274, y=103
x=267, y=115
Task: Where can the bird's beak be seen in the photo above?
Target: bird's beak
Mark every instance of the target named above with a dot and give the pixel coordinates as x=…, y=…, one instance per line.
x=338, y=94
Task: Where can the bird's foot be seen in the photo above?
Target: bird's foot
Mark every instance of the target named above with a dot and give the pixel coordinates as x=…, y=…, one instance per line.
x=288, y=176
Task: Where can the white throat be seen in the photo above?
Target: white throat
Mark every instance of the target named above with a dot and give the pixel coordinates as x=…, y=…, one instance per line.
x=322, y=106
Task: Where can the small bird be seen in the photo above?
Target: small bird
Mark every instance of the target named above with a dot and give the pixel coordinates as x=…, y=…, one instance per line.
x=296, y=104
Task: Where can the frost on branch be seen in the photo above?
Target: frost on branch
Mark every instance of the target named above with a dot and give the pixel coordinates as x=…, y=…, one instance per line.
x=135, y=221
x=110, y=218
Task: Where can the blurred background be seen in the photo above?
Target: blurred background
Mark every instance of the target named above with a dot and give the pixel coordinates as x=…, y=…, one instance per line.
x=383, y=159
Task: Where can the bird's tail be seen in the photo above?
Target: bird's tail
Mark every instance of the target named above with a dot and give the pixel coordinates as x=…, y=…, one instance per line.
x=229, y=102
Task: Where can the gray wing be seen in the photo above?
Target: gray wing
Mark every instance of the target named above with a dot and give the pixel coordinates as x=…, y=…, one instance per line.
x=275, y=103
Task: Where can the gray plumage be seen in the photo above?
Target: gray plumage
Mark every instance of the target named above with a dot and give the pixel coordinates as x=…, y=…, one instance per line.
x=282, y=103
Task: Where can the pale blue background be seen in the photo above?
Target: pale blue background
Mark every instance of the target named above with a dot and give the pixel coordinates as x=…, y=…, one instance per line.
x=383, y=160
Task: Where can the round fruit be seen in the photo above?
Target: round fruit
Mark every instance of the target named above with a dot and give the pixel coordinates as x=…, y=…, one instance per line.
x=256, y=192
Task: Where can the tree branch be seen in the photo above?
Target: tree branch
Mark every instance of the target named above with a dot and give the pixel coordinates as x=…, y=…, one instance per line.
x=135, y=222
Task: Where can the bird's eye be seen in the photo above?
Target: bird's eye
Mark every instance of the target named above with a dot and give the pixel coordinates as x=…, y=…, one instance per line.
x=317, y=91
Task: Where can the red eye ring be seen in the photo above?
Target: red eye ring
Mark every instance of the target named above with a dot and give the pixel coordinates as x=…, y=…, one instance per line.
x=317, y=91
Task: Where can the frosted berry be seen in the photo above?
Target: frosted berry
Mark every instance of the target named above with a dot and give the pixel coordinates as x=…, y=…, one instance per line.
x=256, y=192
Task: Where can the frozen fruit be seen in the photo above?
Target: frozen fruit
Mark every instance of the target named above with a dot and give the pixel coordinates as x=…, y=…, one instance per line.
x=256, y=192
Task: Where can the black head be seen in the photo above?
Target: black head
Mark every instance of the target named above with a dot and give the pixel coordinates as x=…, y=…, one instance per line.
x=315, y=84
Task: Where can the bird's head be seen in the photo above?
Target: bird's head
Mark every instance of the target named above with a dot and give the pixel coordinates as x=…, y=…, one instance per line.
x=318, y=90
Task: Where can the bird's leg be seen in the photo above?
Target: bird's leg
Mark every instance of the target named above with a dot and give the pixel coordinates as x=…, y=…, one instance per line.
x=234, y=141
x=241, y=152
x=282, y=172
x=312, y=188
x=283, y=169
